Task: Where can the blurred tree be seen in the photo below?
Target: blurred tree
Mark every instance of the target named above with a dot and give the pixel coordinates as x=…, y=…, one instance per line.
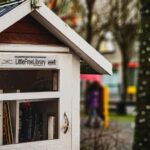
x=121, y=17
x=142, y=129
x=58, y=6
x=66, y=9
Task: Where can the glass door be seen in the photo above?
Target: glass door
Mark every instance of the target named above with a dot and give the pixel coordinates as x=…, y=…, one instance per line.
x=35, y=106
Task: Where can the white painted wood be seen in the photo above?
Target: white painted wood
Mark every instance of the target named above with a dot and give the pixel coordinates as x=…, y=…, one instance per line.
x=33, y=48
x=1, y=121
x=75, y=103
x=57, y=55
x=65, y=98
x=42, y=145
x=28, y=60
x=34, y=95
x=14, y=15
x=62, y=31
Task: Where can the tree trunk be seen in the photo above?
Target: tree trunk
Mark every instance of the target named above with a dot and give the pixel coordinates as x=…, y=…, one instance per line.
x=89, y=28
x=142, y=129
x=89, y=31
x=125, y=60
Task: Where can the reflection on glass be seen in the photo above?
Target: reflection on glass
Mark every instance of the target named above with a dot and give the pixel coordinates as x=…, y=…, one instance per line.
x=29, y=121
x=13, y=81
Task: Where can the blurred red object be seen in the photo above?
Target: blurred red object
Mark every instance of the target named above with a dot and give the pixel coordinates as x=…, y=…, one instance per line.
x=133, y=65
x=91, y=77
x=116, y=65
x=51, y=4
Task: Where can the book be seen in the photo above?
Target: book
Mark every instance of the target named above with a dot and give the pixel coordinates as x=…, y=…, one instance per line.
x=7, y=125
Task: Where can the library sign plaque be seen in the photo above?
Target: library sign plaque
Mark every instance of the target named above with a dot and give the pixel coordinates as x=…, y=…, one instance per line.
x=28, y=61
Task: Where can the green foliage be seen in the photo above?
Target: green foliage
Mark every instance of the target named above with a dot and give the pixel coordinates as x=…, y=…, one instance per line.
x=62, y=7
x=122, y=118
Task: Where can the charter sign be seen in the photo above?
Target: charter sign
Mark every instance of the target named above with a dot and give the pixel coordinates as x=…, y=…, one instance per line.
x=28, y=61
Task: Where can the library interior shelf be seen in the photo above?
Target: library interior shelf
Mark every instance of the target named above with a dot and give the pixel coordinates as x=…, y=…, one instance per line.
x=26, y=120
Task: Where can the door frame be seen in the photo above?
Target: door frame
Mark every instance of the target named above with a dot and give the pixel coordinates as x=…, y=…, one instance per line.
x=65, y=67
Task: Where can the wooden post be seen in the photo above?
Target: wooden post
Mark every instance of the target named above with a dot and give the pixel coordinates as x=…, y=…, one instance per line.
x=1, y=120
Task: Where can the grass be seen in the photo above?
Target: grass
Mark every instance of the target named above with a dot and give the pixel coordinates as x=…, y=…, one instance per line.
x=122, y=118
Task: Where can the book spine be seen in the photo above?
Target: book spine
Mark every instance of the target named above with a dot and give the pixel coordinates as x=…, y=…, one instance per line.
x=51, y=127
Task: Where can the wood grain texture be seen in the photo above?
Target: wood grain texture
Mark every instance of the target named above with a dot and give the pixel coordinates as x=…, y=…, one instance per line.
x=28, y=31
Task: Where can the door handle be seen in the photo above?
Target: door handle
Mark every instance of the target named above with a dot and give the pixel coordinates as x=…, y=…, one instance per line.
x=66, y=123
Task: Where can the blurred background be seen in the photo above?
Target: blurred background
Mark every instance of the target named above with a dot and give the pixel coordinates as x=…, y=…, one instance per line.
x=119, y=30
x=112, y=28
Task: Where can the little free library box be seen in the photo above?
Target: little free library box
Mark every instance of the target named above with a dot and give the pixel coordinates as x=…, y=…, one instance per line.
x=40, y=78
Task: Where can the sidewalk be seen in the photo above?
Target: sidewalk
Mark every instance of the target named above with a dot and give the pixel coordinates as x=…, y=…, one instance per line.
x=119, y=136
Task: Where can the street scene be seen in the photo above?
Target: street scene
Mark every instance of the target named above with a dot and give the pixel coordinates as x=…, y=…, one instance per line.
x=74, y=74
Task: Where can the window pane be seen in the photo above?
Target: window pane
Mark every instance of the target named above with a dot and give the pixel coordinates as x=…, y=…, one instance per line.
x=12, y=81
x=30, y=121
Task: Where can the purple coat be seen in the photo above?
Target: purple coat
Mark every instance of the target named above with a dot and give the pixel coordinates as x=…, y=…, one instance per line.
x=93, y=99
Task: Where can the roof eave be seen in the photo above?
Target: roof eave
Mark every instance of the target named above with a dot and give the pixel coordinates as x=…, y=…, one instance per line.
x=63, y=32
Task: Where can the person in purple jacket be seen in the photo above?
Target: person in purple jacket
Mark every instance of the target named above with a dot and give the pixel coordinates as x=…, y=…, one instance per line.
x=92, y=103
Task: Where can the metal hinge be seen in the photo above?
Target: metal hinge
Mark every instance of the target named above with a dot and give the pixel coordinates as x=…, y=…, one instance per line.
x=36, y=3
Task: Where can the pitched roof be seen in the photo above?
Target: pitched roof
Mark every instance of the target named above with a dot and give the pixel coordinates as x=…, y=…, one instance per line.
x=61, y=30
